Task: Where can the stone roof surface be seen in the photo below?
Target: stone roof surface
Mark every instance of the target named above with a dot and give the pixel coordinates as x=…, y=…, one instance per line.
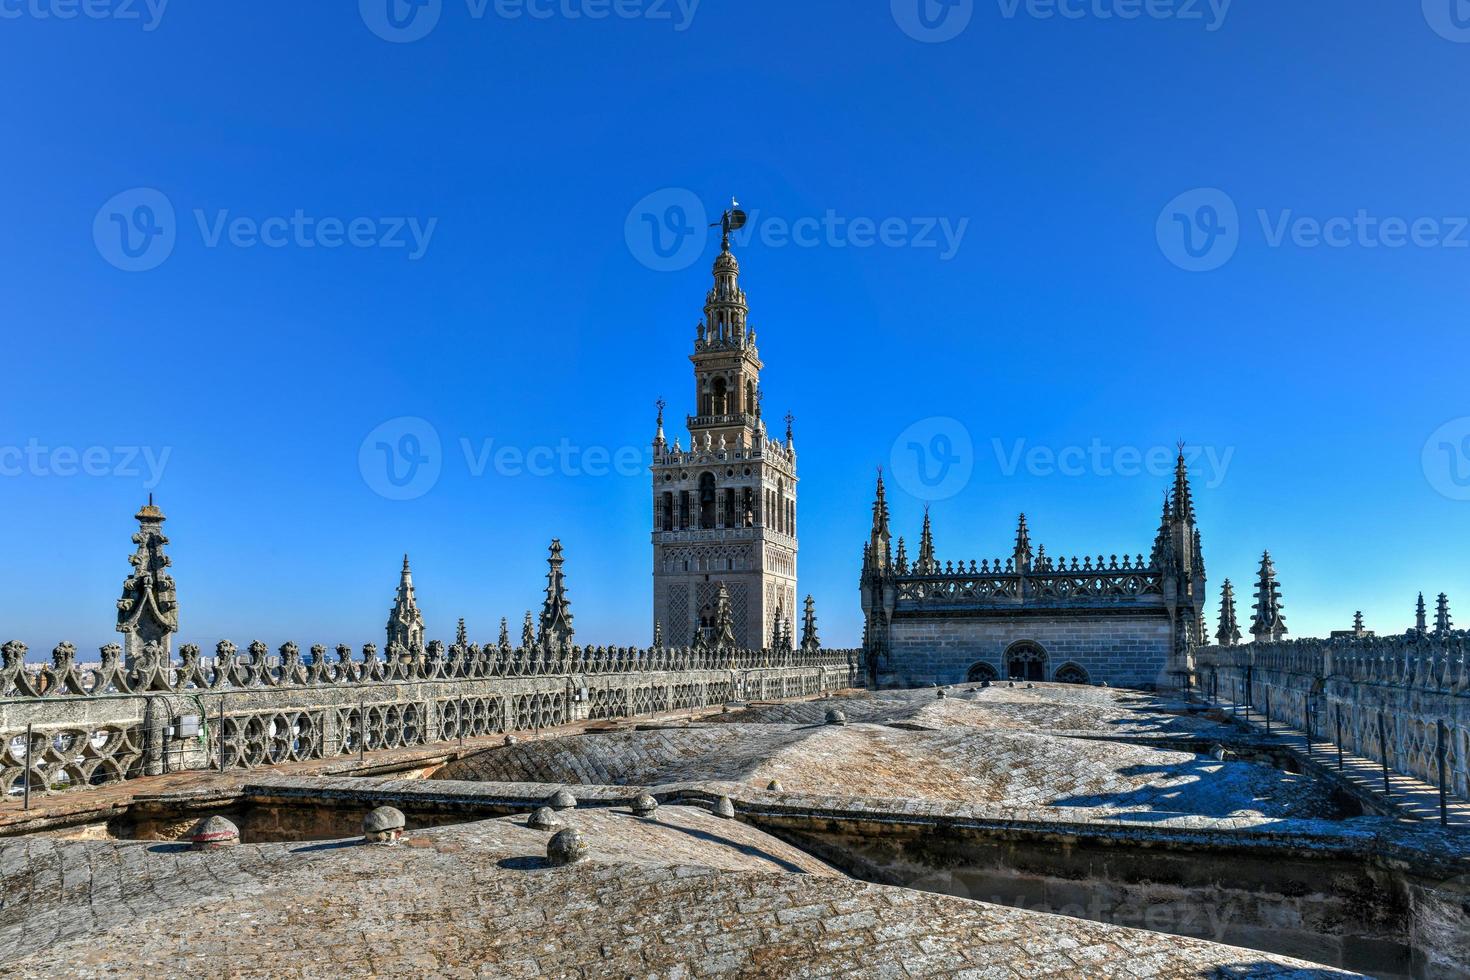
x=682, y=895
x=972, y=748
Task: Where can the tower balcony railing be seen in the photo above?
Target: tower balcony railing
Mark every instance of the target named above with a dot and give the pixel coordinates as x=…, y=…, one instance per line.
x=730, y=533
x=712, y=421
x=770, y=448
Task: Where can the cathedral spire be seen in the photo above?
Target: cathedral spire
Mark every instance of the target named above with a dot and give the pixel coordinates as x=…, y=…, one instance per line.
x=926, y=565
x=148, y=611
x=405, y=622
x=1421, y=617
x=1183, y=499
x=556, y=613
x=1442, y=623
x=659, y=442
x=810, y=641
x=1229, y=632
x=1268, y=623
x=878, y=554
x=1023, y=552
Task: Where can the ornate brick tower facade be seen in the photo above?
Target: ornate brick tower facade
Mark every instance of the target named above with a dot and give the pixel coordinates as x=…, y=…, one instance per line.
x=724, y=510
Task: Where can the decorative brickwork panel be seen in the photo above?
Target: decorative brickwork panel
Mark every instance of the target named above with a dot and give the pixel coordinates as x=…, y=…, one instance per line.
x=678, y=629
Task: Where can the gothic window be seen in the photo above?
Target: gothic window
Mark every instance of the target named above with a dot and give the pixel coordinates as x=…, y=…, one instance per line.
x=731, y=519
x=781, y=505
x=980, y=672
x=683, y=510
x=747, y=508
x=750, y=396
x=1070, y=673
x=1025, y=661
x=668, y=511
x=707, y=501
x=720, y=399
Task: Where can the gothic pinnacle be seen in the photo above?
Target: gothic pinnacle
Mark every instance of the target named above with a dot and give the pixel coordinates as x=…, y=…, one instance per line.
x=1183, y=499
x=1229, y=632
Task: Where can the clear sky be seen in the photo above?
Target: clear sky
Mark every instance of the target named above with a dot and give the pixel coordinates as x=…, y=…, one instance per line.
x=241, y=237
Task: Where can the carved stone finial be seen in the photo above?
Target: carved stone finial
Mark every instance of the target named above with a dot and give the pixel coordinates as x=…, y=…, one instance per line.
x=566, y=847
x=148, y=610
x=385, y=825
x=405, y=621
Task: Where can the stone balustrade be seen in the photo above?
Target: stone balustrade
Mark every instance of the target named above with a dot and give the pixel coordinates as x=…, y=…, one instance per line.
x=92, y=725
x=1404, y=700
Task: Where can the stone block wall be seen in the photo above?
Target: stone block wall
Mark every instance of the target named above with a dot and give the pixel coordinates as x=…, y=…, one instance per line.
x=1121, y=650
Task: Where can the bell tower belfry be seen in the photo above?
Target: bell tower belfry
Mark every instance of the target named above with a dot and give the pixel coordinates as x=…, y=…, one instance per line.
x=724, y=508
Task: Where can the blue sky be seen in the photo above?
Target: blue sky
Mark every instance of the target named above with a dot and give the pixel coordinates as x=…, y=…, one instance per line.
x=493, y=175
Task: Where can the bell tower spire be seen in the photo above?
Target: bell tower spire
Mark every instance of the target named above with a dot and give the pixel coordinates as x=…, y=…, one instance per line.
x=724, y=511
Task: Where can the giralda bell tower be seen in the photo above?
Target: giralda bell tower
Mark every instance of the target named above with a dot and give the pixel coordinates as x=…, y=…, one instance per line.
x=724, y=509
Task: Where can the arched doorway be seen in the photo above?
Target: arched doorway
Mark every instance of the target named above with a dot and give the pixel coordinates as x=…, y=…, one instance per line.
x=980, y=672
x=1070, y=673
x=1025, y=661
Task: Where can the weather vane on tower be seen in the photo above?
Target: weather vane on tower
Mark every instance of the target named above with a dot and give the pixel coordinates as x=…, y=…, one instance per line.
x=732, y=220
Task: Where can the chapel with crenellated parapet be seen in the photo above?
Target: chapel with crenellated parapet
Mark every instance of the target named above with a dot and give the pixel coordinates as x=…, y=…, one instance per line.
x=1033, y=616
